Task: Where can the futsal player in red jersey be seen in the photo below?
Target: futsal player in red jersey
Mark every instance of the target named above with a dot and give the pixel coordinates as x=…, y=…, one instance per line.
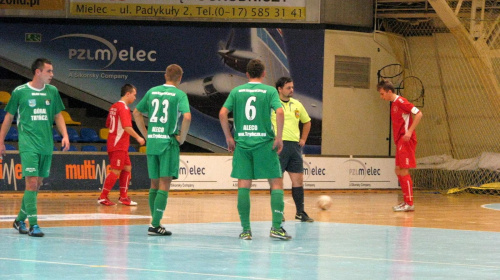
x=119, y=122
x=405, y=118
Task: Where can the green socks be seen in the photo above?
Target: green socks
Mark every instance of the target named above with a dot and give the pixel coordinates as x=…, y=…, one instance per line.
x=159, y=207
x=244, y=207
x=277, y=207
x=28, y=208
x=152, y=197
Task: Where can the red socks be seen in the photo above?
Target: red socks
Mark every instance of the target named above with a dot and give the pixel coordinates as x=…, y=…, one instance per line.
x=407, y=188
x=108, y=184
x=124, y=182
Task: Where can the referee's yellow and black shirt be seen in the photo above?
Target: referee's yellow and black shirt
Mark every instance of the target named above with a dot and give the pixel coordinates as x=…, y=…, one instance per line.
x=294, y=112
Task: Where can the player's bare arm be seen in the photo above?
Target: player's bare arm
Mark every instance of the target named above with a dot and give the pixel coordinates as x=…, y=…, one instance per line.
x=61, y=126
x=134, y=134
x=7, y=122
x=186, y=122
x=224, y=122
x=306, y=128
x=139, y=121
x=416, y=120
x=280, y=120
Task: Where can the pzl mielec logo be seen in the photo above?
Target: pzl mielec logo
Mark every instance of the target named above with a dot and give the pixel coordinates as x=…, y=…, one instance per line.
x=107, y=54
x=359, y=168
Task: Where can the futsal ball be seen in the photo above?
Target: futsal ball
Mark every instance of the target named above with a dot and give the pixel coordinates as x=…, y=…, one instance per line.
x=324, y=202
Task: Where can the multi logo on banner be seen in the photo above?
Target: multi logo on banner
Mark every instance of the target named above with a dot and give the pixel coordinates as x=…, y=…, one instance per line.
x=206, y=172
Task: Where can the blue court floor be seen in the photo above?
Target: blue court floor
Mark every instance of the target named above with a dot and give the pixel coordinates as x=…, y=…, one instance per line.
x=318, y=250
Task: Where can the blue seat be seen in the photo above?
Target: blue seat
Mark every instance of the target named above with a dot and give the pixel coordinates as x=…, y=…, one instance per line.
x=104, y=148
x=55, y=149
x=71, y=149
x=73, y=135
x=12, y=134
x=89, y=148
x=55, y=134
x=2, y=115
x=131, y=149
x=10, y=147
x=88, y=135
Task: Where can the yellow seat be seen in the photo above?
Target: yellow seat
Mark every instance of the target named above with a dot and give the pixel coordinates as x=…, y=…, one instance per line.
x=4, y=97
x=103, y=133
x=68, y=119
x=142, y=149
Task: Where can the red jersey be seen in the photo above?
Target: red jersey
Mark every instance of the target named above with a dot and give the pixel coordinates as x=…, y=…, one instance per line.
x=401, y=111
x=119, y=117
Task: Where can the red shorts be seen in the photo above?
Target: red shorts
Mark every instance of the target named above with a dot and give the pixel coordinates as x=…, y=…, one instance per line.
x=405, y=154
x=119, y=159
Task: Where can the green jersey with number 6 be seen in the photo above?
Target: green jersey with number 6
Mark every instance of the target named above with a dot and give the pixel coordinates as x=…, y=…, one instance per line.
x=36, y=109
x=164, y=104
x=251, y=105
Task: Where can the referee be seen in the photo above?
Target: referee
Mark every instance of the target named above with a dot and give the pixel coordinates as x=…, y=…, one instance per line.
x=293, y=141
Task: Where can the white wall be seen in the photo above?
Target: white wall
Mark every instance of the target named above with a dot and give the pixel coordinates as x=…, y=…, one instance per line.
x=355, y=121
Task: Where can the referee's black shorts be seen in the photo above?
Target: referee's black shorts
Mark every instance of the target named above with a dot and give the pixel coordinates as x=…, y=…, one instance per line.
x=291, y=157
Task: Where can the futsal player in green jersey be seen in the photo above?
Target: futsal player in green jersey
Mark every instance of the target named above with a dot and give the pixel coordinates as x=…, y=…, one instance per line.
x=163, y=104
x=255, y=145
x=37, y=105
x=291, y=156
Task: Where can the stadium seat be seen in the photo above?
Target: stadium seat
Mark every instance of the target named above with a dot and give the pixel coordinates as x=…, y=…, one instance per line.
x=131, y=149
x=2, y=115
x=89, y=148
x=72, y=148
x=88, y=135
x=68, y=120
x=104, y=148
x=12, y=134
x=10, y=147
x=55, y=134
x=103, y=134
x=142, y=149
x=4, y=97
x=73, y=135
x=55, y=149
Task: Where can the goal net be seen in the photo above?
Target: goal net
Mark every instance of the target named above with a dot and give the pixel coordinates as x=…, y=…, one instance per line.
x=459, y=66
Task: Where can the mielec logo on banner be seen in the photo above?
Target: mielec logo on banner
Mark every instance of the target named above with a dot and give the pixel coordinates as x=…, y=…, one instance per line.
x=109, y=54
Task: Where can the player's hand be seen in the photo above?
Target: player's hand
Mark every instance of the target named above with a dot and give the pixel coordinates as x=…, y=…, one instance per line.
x=230, y=144
x=178, y=138
x=278, y=145
x=65, y=144
x=407, y=136
x=302, y=143
x=2, y=151
x=141, y=141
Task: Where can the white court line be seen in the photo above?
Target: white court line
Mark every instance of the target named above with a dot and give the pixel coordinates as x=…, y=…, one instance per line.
x=77, y=217
x=491, y=206
x=134, y=268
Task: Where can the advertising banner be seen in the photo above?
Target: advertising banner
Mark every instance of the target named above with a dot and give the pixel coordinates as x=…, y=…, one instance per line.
x=97, y=60
x=87, y=171
x=293, y=10
x=32, y=4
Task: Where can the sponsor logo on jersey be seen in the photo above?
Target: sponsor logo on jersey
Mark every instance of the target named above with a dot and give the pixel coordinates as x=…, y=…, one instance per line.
x=47, y=102
x=32, y=102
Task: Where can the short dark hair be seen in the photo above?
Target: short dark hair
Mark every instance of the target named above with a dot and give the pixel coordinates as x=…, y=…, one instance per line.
x=255, y=68
x=386, y=85
x=173, y=73
x=127, y=88
x=281, y=82
x=38, y=64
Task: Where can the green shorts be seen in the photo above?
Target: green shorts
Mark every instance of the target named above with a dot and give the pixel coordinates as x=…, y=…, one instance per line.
x=165, y=164
x=35, y=165
x=259, y=163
